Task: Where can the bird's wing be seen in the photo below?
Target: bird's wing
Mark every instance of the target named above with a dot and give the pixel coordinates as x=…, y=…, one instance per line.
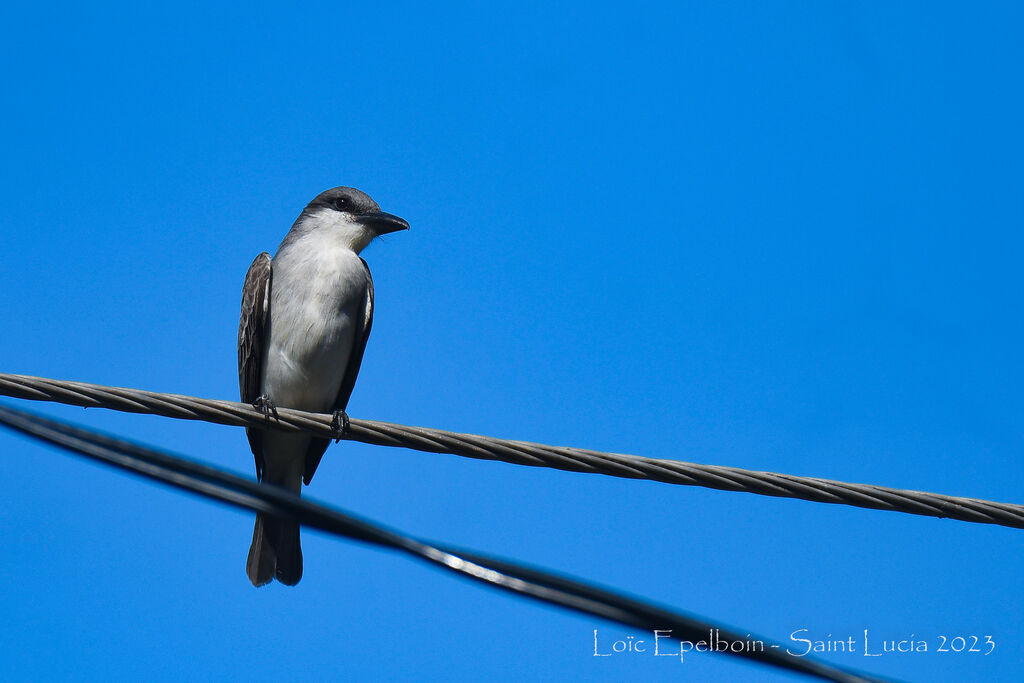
x=252, y=340
x=355, y=359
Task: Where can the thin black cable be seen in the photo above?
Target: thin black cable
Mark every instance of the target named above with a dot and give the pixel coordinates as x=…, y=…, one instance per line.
x=520, y=452
x=534, y=583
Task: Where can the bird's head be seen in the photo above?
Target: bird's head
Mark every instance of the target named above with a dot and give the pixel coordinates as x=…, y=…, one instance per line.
x=351, y=217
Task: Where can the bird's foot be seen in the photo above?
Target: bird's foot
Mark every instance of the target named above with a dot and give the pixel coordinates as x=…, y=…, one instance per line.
x=265, y=405
x=340, y=424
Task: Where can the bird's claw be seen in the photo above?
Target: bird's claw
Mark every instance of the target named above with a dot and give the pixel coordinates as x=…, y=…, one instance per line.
x=340, y=424
x=265, y=405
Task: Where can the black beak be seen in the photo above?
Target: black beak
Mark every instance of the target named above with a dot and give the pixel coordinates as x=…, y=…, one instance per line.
x=383, y=223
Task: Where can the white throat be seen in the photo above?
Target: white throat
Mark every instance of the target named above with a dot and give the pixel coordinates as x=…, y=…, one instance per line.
x=340, y=229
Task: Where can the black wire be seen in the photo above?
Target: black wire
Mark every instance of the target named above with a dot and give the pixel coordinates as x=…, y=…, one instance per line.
x=534, y=583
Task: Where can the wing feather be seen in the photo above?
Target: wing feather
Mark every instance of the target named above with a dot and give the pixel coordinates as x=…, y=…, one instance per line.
x=252, y=341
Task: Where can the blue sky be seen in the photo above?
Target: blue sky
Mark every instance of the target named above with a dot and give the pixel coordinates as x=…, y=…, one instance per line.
x=778, y=236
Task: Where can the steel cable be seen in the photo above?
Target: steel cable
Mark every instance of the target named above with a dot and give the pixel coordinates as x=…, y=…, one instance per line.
x=519, y=452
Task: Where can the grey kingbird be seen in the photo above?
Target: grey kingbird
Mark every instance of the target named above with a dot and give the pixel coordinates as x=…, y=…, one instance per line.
x=306, y=316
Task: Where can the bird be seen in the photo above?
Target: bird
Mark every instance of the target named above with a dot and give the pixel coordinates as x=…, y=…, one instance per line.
x=306, y=317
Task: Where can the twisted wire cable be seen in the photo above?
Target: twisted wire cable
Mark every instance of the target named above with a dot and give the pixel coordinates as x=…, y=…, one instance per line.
x=518, y=452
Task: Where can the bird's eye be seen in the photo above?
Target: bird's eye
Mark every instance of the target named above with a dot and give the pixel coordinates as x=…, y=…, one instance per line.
x=340, y=203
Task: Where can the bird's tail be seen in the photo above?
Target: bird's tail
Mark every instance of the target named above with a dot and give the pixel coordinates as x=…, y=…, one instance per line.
x=275, y=551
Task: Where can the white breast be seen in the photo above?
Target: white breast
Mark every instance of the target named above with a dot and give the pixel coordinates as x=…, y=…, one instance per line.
x=318, y=299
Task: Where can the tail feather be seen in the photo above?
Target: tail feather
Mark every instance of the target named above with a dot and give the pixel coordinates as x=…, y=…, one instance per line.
x=289, y=554
x=262, y=558
x=275, y=551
